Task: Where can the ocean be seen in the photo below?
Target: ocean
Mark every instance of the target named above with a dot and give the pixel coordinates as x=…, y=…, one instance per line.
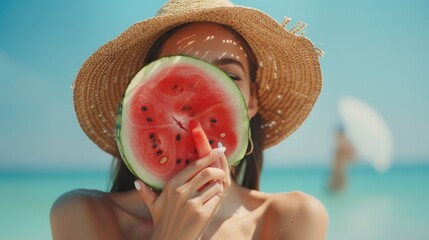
x=393, y=205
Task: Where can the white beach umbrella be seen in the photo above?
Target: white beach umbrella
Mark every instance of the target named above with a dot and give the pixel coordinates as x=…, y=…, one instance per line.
x=367, y=131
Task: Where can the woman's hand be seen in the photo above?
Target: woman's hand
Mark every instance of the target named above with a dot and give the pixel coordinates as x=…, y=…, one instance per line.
x=190, y=199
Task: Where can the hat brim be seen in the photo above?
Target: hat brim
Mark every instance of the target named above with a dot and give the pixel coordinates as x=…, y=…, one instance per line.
x=288, y=76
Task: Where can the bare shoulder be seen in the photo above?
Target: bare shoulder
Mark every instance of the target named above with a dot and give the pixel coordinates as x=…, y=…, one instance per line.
x=297, y=204
x=79, y=201
x=295, y=215
x=82, y=214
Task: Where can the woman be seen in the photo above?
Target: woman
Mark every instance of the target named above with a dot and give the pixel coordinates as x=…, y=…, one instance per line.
x=279, y=76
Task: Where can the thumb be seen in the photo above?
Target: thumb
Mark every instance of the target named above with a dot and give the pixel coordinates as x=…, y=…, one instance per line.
x=146, y=193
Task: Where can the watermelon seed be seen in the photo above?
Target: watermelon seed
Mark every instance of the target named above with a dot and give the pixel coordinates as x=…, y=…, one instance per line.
x=211, y=142
x=187, y=161
x=154, y=145
x=152, y=136
x=178, y=161
x=149, y=119
x=222, y=135
x=143, y=108
x=159, y=152
x=178, y=137
x=213, y=120
x=185, y=108
x=163, y=160
x=195, y=150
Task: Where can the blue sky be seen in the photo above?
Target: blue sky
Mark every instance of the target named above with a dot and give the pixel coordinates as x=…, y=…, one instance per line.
x=375, y=50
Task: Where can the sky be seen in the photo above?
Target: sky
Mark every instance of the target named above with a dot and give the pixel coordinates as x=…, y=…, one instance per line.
x=376, y=50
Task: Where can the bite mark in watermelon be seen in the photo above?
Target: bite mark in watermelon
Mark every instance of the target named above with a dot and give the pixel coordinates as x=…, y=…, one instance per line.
x=160, y=108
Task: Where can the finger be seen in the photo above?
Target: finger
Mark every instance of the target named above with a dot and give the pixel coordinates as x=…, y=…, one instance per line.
x=225, y=168
x=194, y=168
x=205, y=176
x=211, y=190
x=213, y=203
x=224, y=163
x=146, y=193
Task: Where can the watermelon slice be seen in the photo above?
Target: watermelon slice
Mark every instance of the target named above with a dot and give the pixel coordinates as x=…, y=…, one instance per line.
x=164, y=102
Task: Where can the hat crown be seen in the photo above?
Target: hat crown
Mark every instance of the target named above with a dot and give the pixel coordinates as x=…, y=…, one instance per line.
x=183, y=6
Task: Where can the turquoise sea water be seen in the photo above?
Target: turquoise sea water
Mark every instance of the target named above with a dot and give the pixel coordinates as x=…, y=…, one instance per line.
x=389, y=206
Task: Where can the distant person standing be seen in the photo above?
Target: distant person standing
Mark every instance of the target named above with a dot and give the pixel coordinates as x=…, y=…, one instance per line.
x=344, y=155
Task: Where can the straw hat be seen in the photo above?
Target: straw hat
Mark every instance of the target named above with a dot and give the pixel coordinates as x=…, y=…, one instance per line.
x=288, y=77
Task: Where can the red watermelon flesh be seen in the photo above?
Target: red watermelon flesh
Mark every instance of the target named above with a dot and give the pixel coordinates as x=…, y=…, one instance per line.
x=154, y=123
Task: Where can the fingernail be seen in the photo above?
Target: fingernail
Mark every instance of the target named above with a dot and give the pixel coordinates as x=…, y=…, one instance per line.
x=137, y=185
x=220, y=148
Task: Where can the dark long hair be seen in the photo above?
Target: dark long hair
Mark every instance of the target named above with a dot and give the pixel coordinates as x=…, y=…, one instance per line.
x=251, y=165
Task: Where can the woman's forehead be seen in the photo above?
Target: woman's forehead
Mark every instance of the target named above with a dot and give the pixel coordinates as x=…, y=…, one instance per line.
x=208, y=41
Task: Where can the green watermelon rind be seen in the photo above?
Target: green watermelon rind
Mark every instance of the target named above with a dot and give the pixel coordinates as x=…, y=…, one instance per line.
x=144, y=74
